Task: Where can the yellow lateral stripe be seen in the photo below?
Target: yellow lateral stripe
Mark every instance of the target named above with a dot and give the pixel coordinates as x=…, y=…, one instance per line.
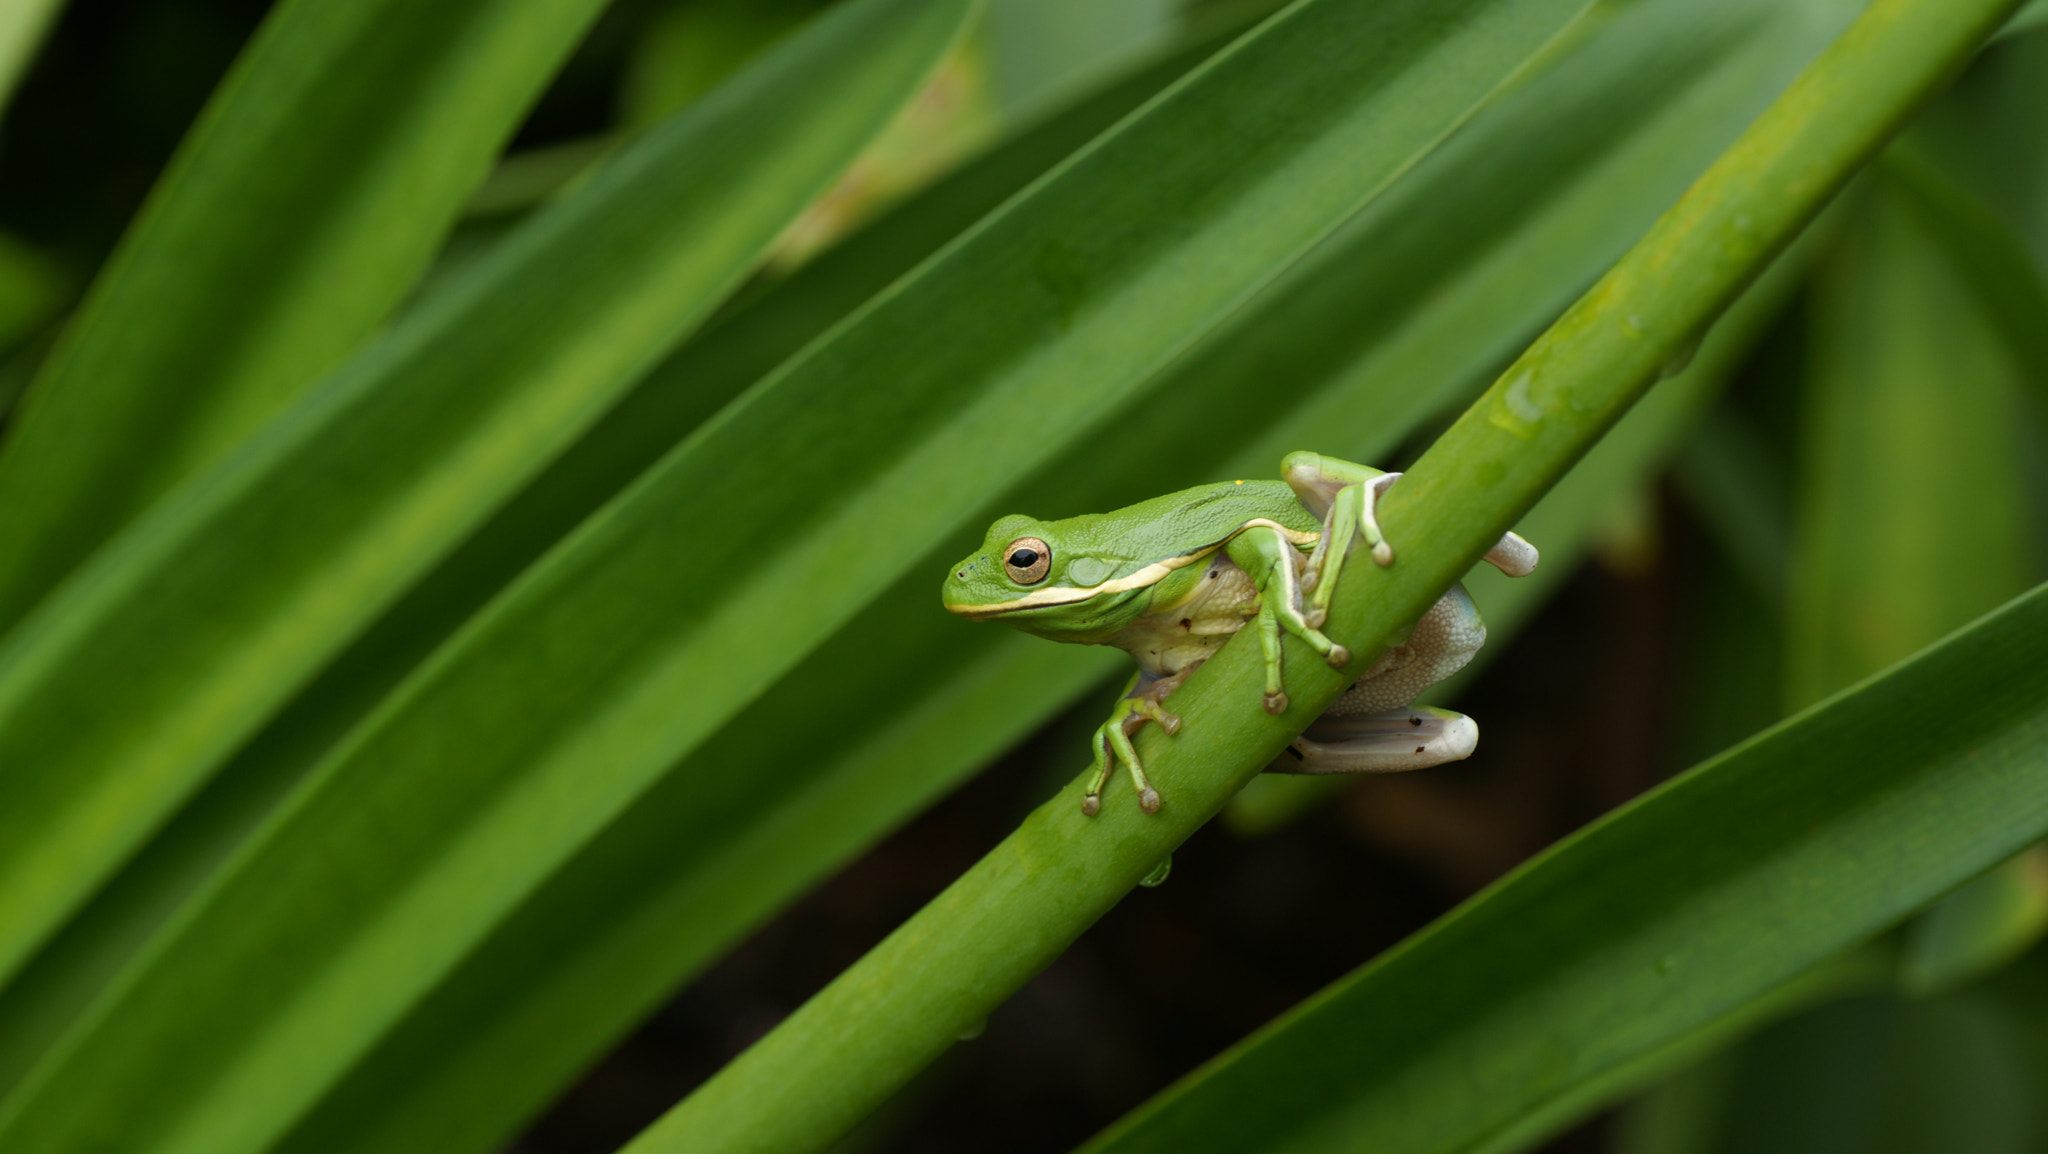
x=1150, y=575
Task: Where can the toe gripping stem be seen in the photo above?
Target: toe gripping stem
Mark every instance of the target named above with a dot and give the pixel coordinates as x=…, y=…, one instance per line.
x=1113, y=744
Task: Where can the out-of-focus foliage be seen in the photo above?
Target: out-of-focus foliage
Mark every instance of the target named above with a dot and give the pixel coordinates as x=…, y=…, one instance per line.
x=469, y=538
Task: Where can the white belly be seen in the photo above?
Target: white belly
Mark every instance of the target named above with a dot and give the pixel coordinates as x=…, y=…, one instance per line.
x=1168, y=639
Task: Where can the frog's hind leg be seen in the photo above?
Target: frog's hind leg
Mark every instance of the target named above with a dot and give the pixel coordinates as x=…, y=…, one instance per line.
x=1400, y=739
x=1372, y=728
x=1262, y=551
x=1345, y=495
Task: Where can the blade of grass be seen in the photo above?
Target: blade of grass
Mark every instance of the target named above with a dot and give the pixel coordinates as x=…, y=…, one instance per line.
x=1867, y=969
x=677, y=396
x=121, y=695
x=732, y=352
x=1682, y=907
x=944, y=970
x=304, y=203
x=611, y=658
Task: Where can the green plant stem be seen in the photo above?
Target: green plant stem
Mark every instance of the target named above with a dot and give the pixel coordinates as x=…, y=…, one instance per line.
x=944, y=970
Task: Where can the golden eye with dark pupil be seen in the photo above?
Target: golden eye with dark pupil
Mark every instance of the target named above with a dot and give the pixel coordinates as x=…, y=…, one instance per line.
x=1028, y=560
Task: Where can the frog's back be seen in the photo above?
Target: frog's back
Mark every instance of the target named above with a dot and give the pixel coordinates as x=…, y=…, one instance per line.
x=1190, y=518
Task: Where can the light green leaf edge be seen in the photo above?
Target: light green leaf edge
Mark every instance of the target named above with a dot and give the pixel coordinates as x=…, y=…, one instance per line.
x=304, y=203
x=23, y=26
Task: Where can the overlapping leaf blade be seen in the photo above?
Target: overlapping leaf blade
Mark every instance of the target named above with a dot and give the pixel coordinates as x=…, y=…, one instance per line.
x=611, y=658
x=1651, y=921
x=709, y=852
x=124, y=692
x=732, y=352
x=305, y=202
x=943, y=970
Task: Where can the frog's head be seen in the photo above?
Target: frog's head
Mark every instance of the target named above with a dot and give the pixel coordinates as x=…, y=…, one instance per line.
x=1050, y=578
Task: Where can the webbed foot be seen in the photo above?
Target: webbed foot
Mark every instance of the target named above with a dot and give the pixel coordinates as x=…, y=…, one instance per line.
x=1391, y=742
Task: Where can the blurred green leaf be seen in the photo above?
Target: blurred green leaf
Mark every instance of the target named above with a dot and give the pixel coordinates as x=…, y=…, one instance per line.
x=1978, y=928
x=687, y=48
x=1040, y=49
x=1877, y=1076
x=1987, y=262
x=1912, y=516
x=690, y=384
x=1742, y=495
x=1686, y=1120
x=23, y=24
x=32, y=289
x=610, y=659
x=304, y=203
x=1680, y=907
x=122, y=695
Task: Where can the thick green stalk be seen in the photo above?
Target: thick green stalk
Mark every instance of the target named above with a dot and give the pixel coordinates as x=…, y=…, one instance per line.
x=942, y=972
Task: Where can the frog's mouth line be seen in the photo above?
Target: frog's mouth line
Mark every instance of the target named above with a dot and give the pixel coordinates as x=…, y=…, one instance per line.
x=1068, y=595
x=1150, y=575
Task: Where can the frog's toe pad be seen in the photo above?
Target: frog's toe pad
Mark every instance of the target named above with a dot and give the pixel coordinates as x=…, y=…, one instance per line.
x=1091, y=805
x=1276, y=703
x=1400, y=739
x=1149, y=800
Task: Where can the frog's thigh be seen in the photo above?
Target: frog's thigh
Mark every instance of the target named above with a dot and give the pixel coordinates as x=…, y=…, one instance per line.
x=1440, y=645
x=1317, y=479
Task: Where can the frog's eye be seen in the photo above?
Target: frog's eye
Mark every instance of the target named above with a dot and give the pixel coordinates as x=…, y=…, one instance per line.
x=1027, y=560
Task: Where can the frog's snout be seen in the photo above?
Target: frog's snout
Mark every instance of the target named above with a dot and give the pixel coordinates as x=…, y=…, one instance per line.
x=954, y=593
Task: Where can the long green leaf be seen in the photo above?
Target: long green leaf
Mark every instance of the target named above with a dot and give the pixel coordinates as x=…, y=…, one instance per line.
x=1674, y=910
x=1894, y=314
x=123, y=693
x=694, y=381
x=672, y=608
x=859, y=1039
x=303, y=205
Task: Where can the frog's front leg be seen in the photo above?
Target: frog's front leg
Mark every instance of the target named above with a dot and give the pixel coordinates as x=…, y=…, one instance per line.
x=1139, y=704
x=1263, y=551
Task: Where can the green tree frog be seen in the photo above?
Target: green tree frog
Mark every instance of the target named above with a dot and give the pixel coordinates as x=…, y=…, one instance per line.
x=1171, y=579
